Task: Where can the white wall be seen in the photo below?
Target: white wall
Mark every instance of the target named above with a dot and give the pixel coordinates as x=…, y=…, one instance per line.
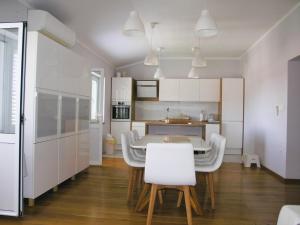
x=12, y=11
x=179, y=68
x=265, y=67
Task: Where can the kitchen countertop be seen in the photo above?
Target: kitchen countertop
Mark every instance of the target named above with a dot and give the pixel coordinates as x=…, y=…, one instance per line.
x=192, y=123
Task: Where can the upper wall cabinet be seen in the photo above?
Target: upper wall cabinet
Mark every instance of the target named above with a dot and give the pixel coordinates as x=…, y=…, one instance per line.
x=55, y=67
x=121, y=89
x=188, y=90
x=48, y=65
x=169, y=90
x=209, y=90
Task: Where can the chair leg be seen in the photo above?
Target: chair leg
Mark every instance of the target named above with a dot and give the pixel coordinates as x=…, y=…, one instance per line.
x=194, y=196
x=143, y=196
x=179, y=200
x=130, y=183
x=207, y=183
x=187, y=200
x=160, y=197
x=211, y=190
x=151, y=203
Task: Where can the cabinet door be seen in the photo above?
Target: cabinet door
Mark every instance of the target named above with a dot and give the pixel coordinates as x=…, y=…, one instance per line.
x=83, y=151
x=121, y=89
x=45, y=166
x=117, y=128
x=210, y=129
x=169, y=90
x=233, y=131
x=48, y=66
x=188, y=90
x=232, y=99
x=140, y=127
x=209, y=90
x=67, y=157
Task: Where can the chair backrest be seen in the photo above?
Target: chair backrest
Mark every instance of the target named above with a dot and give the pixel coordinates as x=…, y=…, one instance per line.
x=289, y=215
x=126, y=148
x=135, y=135
x=170, y=164
x=218, y=145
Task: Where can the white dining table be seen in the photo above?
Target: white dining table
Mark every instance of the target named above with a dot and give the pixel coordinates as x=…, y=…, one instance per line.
x=198, y=143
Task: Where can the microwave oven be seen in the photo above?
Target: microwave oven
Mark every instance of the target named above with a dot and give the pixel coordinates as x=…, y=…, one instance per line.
x=147, y=90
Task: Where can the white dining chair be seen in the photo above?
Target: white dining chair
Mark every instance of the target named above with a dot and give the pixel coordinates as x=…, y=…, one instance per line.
x=136, y=166
x=289, y=215
x=161, y=171
x=135, y=134
x=138, y=153
x=212, y=163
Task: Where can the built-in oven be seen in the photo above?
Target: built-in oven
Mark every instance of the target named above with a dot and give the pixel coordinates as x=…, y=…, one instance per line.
x=121, y=111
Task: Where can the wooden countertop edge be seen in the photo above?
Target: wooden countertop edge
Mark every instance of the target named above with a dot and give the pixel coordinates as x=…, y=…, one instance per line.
x=193, y=123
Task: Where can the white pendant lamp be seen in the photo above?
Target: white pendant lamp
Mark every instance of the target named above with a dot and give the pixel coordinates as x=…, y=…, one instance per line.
x=193, y=73
x=152, y=57
x=134, y=26
x=159, y=74
x=206, y=26
x=198, y=60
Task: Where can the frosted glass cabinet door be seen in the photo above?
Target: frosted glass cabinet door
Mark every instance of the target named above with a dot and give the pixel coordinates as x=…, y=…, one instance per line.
x=68, y=115
x=47, y=114
x=83, y=114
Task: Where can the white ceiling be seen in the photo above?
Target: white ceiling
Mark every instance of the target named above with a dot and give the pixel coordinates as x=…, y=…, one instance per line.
x=98, y=24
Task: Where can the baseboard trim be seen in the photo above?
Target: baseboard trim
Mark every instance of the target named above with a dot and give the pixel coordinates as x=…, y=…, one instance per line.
x=280, y=178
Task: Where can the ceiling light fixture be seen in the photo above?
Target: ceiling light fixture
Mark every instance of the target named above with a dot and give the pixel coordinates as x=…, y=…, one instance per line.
x=159, y=74
x=134, y=26
x=152, y=58
x=198, y=60
x=192, y=73
x=206, y=26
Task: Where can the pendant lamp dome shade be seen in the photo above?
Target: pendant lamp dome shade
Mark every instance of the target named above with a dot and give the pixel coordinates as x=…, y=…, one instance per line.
x=134, y=26
x=151, y=59
x=206, y=26
x=192, y=73
x=158, y=74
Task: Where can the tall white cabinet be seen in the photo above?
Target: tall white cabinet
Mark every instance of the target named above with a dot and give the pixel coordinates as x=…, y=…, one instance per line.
x=57, y=112
x=233, y=114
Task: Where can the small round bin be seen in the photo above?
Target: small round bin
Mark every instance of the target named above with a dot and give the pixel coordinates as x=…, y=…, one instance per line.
x=110, y=143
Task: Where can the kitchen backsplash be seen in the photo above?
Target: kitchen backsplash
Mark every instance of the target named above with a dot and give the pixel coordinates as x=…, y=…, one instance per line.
x=145, y=110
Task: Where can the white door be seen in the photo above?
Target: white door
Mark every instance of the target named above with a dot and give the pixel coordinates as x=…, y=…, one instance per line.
x=11, y=109
x=188, y=90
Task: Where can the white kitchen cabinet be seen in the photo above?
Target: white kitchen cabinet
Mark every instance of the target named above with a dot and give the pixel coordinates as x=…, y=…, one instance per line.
x=233, y=132
x=117, y=128
x=169, y=90
x=83, y=151
x=140, y=127
x=67, y=157
x=188, y=90
x=209, y=90
x=232, y=99
x=55, y=86
x=46, y=58
x=210, y=129
x=121, y=89
x=45, y=167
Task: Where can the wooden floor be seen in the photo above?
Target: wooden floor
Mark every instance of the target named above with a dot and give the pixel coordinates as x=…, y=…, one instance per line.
x=244, y=197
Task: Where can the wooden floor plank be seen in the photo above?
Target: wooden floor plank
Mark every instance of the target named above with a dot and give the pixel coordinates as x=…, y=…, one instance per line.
x=244, y=196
